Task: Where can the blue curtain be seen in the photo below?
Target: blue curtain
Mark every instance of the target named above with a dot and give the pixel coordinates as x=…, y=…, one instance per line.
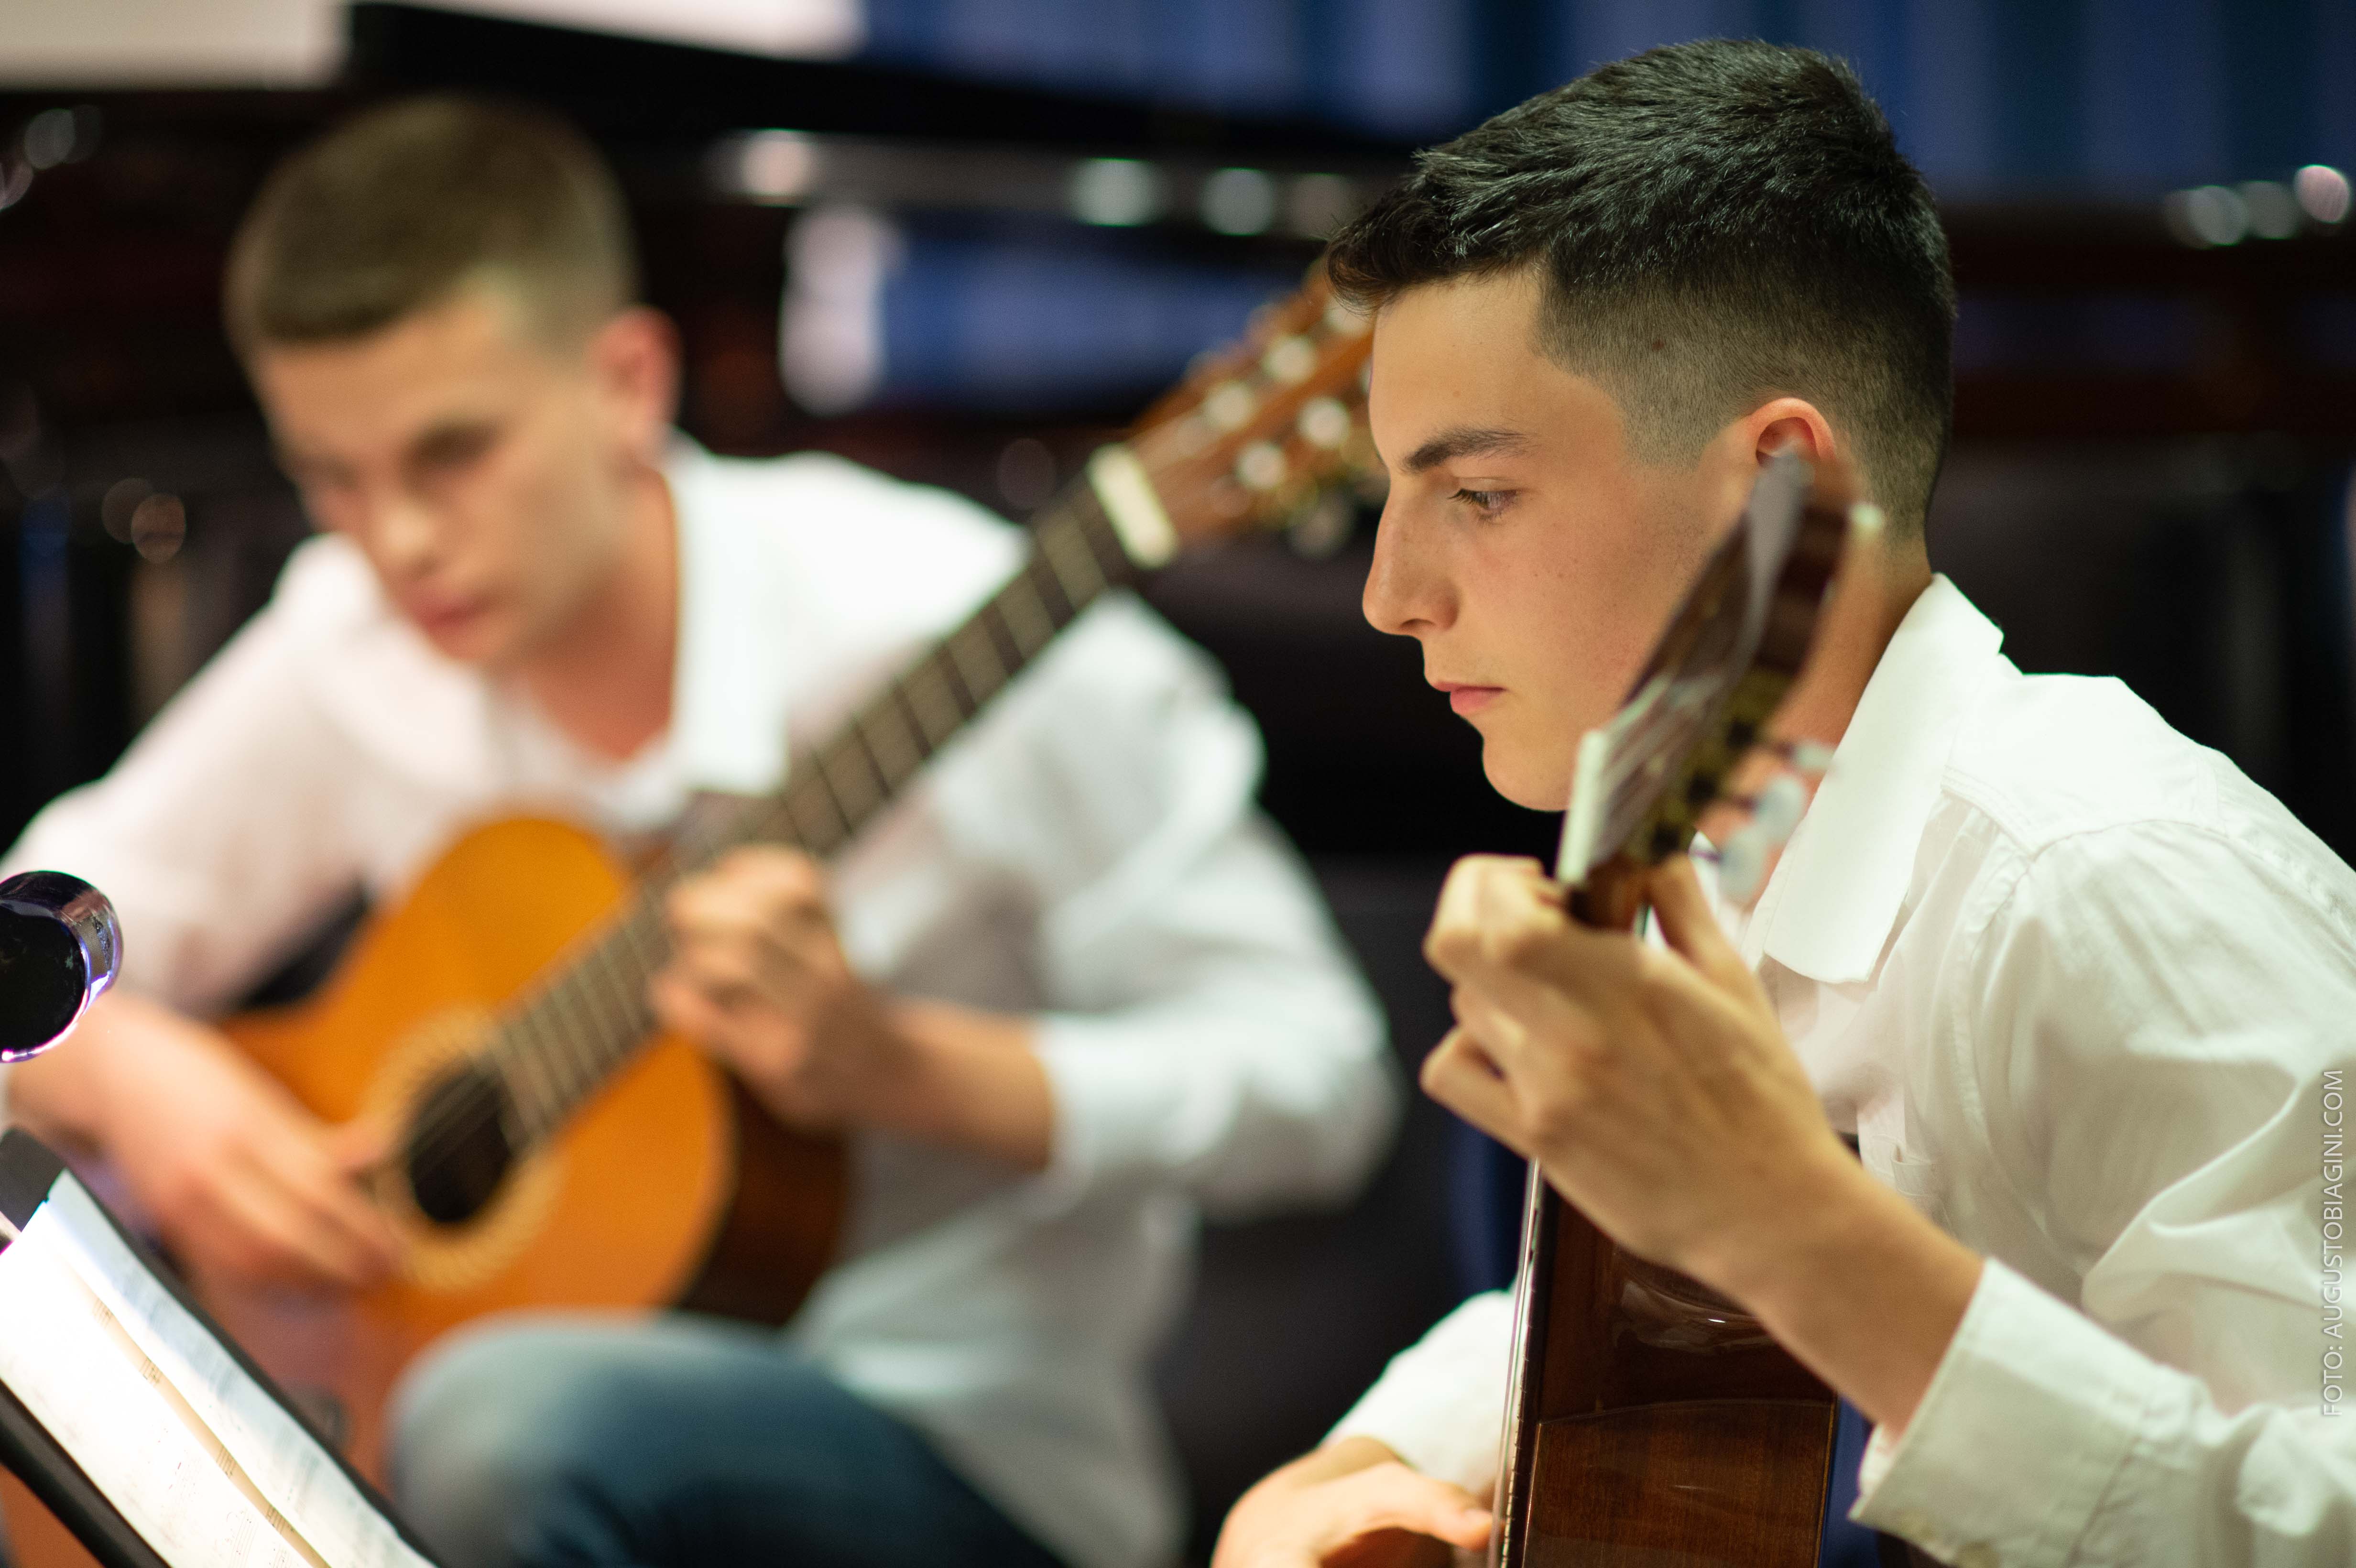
x=1990, y=96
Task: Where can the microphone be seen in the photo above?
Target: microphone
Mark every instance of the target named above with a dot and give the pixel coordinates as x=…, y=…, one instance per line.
x=60, y=950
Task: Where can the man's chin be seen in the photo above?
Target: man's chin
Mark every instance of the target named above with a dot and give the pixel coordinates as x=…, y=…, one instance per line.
x=1541, y=785
x=480, y=640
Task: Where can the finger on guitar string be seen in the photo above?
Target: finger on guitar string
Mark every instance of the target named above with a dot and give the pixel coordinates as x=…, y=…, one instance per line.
x=1486, y=900
x=1466, y=1079
x=759, y=888
x=687, y=1007
x=1691, y=929
x=729, y=973
x=1503, y=932
x=362, y=1147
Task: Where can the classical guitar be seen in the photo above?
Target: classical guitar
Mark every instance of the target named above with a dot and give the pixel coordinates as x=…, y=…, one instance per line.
x=1651, y=1423
x=551, y=1148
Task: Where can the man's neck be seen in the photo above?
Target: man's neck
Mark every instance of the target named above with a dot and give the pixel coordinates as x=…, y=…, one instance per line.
x=1864, y=615
x=606, y=680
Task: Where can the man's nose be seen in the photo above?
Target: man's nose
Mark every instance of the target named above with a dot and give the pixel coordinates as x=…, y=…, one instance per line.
x=404, y=535
x=1406, y=594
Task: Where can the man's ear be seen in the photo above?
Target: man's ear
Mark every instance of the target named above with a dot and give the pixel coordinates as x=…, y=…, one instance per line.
x=635, y=359
x=1731, y=461
x=1793, y=422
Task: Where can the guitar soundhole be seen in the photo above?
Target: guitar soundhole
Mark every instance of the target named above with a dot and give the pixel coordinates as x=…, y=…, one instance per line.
x=459, y=1150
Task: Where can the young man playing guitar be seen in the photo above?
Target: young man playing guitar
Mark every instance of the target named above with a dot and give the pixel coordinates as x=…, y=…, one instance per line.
x=2077, y=989
x=1072, y=986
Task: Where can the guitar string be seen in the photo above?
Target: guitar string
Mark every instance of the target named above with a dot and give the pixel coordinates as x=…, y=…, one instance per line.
x=583, y=1066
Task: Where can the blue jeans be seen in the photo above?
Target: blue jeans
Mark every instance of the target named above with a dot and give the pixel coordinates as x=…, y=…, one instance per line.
x=675, y=1443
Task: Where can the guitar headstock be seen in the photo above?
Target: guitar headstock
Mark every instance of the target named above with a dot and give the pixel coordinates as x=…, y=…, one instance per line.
x=1256, y=431
x=1701, y=705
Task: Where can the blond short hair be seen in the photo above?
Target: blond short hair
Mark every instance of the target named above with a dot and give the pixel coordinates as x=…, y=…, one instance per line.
x=403, y=206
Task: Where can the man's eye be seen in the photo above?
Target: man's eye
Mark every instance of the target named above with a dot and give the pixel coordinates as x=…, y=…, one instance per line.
x=1488, y=502
x=455, y=451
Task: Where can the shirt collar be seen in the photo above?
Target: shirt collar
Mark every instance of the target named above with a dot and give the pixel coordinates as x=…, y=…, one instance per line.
x=1828, y=908
x=730, y=684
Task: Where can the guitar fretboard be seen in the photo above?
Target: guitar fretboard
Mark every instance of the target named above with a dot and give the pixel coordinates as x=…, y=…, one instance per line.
x=561, y=1042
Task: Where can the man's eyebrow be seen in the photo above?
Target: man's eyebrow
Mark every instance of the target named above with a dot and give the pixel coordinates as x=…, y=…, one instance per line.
x=1465, y=440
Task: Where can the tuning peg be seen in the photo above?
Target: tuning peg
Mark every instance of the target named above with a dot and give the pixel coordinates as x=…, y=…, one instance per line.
x=1811, y=759
x=1742, y=864
x=1325, y=423
x=1261, y=466
x=1230, y=405
x=1290, y=360
x=1780, y=807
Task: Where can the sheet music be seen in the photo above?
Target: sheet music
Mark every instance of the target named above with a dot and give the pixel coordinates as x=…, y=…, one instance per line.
x=200, y=1460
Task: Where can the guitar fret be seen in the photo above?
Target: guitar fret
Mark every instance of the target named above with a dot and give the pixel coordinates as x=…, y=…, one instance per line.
x=891, y=746
x=910, y=747
x=1066, y=551
x=968, y=645
x=816, y=820
x=774, y=824
x=1024, y=615
x=836, y=828
x=936, y=721
x=854, y=788
x=1096, y=530
x=1000, y=631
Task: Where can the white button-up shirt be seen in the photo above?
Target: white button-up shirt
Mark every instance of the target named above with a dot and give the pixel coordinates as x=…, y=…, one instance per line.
x=2084, y=994
x=1087, y=853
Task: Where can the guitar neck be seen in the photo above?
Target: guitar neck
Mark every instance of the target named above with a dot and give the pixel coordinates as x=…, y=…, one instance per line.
x=590, y=1016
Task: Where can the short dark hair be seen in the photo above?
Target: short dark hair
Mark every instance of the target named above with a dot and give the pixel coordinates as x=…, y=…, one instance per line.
x=1716, y=222
x=402, y=206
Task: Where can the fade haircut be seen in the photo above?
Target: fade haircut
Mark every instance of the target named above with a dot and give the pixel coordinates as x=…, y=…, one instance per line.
x=1714, y=224
x=400, y=207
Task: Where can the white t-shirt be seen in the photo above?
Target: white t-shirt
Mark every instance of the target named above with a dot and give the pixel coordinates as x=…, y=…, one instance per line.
x=2084, y=994
x=1087, y=853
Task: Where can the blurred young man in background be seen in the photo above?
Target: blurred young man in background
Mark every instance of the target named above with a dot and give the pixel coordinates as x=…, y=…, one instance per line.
x=1071, y=988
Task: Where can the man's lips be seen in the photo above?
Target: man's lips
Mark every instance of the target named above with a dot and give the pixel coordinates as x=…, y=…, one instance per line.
x=1467, y=698
x=445, y=614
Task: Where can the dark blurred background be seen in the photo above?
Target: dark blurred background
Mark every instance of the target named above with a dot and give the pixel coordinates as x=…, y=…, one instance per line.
x=964, y=240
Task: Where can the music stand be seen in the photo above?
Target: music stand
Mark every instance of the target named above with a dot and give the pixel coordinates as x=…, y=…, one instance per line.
x=85, y=1489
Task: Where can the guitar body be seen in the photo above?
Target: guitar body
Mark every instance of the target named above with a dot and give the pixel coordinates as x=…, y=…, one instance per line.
x=1656, y=1424
x=670, y=1188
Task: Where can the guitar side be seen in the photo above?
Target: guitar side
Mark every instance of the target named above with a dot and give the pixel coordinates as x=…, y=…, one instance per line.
x=1659, y=1425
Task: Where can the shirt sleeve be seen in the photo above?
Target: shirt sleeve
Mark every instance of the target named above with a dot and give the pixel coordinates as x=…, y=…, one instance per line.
x=1440, y=1403
x=1205, y=1026
x=216, y=834
x=2044, y=1439
x=2156, y=1069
